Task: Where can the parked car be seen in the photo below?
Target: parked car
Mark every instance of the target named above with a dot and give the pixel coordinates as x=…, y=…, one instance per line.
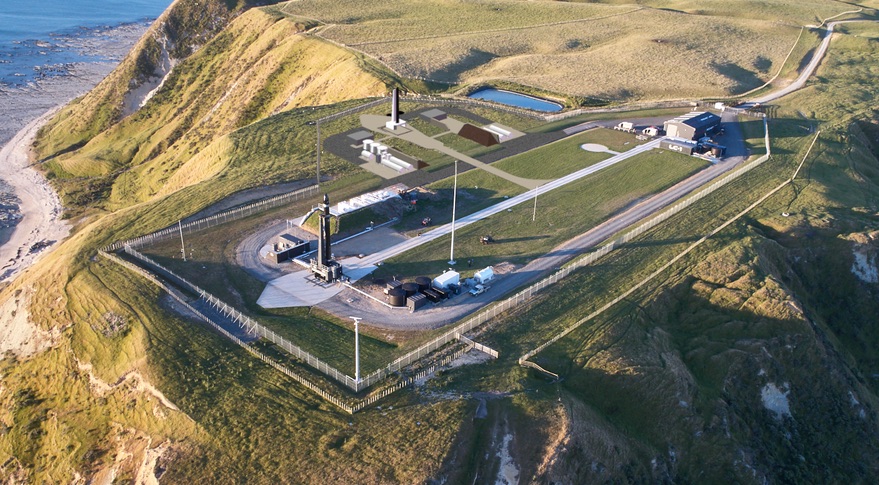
x=478, y=290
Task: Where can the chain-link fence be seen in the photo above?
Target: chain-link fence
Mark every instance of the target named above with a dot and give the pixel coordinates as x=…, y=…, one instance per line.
x=248, y=324
x=428, y=348
x=182, y=300
x=523, y=360
x=216, y=219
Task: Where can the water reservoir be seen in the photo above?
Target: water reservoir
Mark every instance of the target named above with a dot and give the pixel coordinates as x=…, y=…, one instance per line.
x=510, y=98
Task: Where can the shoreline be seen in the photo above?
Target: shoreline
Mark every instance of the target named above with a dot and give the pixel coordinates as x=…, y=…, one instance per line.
x=41, y=227
x=23, y=110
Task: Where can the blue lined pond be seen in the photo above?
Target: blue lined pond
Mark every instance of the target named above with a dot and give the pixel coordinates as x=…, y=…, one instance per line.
x=510, y=98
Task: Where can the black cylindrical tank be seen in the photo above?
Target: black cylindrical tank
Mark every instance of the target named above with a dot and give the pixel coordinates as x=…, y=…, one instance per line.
x=397, y=297
x=410, y=288
x=423, y=282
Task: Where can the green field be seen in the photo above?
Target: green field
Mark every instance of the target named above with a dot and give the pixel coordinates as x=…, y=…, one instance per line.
x=565, y=156
x=520, y=240
x=666, y=387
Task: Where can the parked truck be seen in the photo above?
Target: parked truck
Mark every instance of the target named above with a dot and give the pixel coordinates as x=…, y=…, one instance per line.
x=626, y=126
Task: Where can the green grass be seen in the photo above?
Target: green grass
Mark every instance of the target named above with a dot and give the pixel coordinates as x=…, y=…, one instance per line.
x=424, y=126
x=618, y=141
x=471, y=44
x=467, y=147
x=520, y=240
x=754, y=134
x=554, y=160
x=477, y=190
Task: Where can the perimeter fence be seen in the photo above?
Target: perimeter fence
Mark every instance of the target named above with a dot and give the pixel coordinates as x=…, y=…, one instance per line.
x=524, y=359
x=216, y=219
x=349, y=406
x=430, y=347
x=248, y=324
x=217, y=326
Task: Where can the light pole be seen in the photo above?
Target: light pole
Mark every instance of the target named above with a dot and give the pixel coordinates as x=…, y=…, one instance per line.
x=182, y=246
x=534, y=214
x=318, y=152
x=454, y=204
x=356, y=348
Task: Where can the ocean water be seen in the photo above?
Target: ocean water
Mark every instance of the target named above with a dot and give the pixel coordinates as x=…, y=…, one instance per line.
x=52, y=51
x=42, y=38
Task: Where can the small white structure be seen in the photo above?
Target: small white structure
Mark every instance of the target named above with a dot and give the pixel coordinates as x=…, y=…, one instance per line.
x=485, y=275
x=651, y=131
x=719, y=106
x=395, y=163
x=447, y=278
x=367, y=200
x=502, y=134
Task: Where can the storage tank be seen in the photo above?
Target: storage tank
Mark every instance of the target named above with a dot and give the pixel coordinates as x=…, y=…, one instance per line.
x=397, y=297
x=485, y=275
x=423, y=283
x=449, y=277
x=410, y=288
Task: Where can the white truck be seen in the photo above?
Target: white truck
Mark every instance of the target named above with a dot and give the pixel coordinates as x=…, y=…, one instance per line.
x=478, y=290
x=626, y=126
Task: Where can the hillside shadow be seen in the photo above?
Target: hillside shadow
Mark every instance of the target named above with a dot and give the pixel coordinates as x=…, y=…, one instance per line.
x=473, y=59
x=744, y=79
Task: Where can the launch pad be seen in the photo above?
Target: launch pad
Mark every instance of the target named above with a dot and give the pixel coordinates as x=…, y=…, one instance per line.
x=324, y=266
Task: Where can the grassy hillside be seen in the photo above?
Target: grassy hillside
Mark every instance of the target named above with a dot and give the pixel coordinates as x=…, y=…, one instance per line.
x=611, y=51
x=256, y=67
x=182, y=29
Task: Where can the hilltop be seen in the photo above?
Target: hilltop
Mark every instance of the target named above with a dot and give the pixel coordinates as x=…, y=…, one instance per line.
x=750, y=360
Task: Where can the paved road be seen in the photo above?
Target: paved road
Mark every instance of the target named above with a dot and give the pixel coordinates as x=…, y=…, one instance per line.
x=376, y=124
x=440, y=231
x=460, y=306
x=817, y=57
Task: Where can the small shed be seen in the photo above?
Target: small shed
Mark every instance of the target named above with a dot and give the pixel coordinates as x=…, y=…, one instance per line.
x=484, y=275
x=474, y=133
x=447, y=278
x=687, y=147
x=415, y=302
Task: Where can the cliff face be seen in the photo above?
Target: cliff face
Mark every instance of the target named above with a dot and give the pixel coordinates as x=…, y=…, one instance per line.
x=180, y=31
x=194, y=78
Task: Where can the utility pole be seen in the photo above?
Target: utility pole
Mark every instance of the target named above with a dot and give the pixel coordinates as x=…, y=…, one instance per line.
x=356, y=348
x=318, y=153
x=534, y=214
x=182, y=246
x=454, y=204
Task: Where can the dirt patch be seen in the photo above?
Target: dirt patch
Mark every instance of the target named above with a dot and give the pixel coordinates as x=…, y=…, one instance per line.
x=18, y=334
x=132, y=456
x=866, y=256
x=508, y=474
x=775, y=399
x=132, y=380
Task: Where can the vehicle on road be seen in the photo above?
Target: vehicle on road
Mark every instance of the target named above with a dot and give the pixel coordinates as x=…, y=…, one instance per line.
x=478, y=290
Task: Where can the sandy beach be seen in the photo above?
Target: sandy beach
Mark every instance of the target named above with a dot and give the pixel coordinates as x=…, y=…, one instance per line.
x=23, y=110
x=41, y=226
